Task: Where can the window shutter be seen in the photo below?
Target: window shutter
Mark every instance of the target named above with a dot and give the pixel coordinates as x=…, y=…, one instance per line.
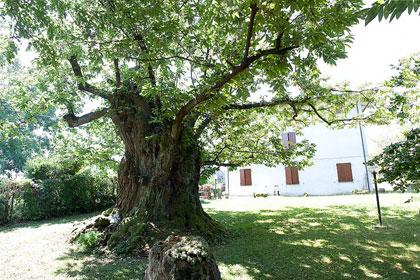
x=285, y=140
x=288, y=138
x=292, y=173
x=242, y=176
x=344, y=172
x=292, y=176
x=245, y=177
x=248, y=179
x=295, y=175
x=288, y=172
x=292, y=137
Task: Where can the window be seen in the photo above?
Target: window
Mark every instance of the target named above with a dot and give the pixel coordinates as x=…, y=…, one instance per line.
x=245, y=175
x=344, y=172
x=292, y=176
x=288, y=139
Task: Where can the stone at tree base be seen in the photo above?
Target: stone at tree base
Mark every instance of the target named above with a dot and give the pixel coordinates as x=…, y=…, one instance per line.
x=181, y=258
x=101, y=224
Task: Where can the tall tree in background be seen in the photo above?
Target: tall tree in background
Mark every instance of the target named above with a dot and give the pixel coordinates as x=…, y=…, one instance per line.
x=182, y=81
x=23, y=133
x=399, y=162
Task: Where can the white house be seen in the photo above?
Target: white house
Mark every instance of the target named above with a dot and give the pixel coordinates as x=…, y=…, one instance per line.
x=337, y=167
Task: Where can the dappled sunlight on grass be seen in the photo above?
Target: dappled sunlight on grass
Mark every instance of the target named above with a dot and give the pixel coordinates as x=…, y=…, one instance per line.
x=337, y=242
x=238, y=271
x=344, y=258
x=269, y=221
x=328, y=242
x=369, y=273
x=413, y=248
x=84, y=266
x=317, y=243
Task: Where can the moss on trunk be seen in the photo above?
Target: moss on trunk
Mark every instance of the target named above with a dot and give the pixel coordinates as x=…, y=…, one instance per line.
x=157, y=184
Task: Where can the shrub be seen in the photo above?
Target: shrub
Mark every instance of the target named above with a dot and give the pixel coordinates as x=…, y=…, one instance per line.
x=9, y=193
x=44, y=168
x=61, y=187
x=88, y=241
x=3, y=201
x=399, y=163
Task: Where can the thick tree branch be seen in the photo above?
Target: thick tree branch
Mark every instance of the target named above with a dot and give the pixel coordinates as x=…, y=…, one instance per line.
x=292, y=103
x=254, y=10
x=117, y=74
x=355, y=91
x=74, y=121
x=221, y=164
x=83, y=85
x=330, y=122
x=139, y=38
x=180, y=57
x=227, y=77
x=207, y=120
x=272, y=103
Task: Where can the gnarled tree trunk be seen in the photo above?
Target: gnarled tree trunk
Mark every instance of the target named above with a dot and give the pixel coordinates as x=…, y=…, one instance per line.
x=158, y=175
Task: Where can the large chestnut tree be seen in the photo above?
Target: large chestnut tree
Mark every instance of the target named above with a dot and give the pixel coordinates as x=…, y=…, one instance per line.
x=189, y=84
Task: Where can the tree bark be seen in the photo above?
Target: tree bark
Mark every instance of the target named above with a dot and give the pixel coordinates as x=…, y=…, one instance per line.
x=158, y=175
x=5, y=218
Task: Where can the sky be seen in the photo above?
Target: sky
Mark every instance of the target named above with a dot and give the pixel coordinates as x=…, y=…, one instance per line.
x=376, y=47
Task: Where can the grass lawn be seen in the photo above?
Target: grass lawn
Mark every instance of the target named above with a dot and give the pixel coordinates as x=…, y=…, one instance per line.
x=273, y=238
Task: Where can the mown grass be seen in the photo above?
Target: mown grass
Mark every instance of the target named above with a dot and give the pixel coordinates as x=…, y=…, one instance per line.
x=83, y=266
x=333, y=242
x=328, y=243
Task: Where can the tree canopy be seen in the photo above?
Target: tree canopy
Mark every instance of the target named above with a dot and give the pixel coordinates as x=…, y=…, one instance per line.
x=390, y=9
x=206, y=60
x=399, y=163
x=23, y=133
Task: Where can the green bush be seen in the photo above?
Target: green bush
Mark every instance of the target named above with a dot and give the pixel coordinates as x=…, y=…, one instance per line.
x=61, y=187
x=88, y=241
x=44, y=168
x=3, y=200
x=9, y=193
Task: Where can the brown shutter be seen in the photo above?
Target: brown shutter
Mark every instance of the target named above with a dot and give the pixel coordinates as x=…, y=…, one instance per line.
x=288, y=138
x=291, y=137
x=344, y=172
x=288, y=172
x=248, y=179
x=245, y=177
x=285, y=140
x=292, y=175
x=295, y=175
x=242, y=176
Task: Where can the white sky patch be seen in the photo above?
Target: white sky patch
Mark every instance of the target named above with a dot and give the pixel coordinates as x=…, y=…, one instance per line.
x=375, y=48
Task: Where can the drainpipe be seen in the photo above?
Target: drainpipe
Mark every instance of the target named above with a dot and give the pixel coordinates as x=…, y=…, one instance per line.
x=227, y=181
x=363, y=149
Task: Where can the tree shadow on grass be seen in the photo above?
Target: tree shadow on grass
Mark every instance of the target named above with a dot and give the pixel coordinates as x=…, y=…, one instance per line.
x=330, y=243
x=53, y=221
x=100, y=267
x=292, y=243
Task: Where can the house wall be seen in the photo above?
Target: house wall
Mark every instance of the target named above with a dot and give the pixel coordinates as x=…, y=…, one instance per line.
x=332, y=146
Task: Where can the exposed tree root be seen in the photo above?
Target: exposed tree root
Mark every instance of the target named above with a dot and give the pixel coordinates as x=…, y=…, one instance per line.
x=136, y=234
